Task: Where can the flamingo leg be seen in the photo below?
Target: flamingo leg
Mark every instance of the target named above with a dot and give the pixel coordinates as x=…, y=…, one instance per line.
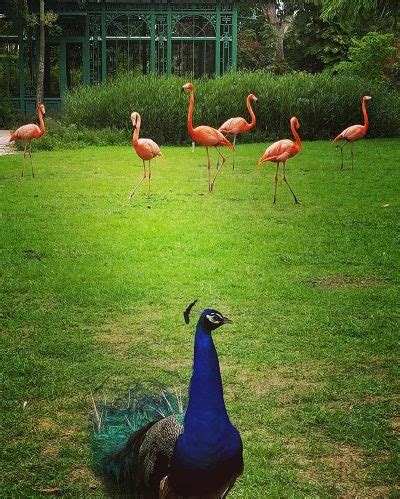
x=23, y=161
x=287, y=183
x=30, y=155
x=276, y=182
x=148, y=194
x=233, y=154
x=140, y=181
x=218, y=169
x=209, y=168
x=352, y=155
x=341, y=154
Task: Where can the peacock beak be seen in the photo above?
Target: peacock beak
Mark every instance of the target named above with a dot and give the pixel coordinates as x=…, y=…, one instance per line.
x=225, y=320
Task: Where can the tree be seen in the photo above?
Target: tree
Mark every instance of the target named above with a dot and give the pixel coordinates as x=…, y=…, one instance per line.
x=40, y=77
x=25, y=12
x=385, y=11
x=281, y=16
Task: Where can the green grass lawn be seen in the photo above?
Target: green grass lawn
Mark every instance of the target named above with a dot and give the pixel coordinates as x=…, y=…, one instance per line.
x=94, y=287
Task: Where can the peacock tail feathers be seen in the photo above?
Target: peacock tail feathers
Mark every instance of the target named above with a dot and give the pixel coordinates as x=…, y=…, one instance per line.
x=119, y=427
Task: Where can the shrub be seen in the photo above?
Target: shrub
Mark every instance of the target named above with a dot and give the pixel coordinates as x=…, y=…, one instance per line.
x=370, y=56
x=323, y=103
x=7, y=112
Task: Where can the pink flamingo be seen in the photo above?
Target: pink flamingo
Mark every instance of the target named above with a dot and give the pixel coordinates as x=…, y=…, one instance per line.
x=355, y=132
x=146, y=149
x=28, y=132
x=280, y=152
x=206, y=135
x=233, y=126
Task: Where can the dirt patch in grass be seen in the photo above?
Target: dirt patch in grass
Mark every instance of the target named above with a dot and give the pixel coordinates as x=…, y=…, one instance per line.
x=344, y=281
x=86, y=476
x=46, y=424
x=396, y=424
x=286, y=384
x=343, y=467
x=119, y=336
x=51, y=450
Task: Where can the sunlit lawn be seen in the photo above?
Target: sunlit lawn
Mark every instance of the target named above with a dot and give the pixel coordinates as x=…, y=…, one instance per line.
x=95, y=285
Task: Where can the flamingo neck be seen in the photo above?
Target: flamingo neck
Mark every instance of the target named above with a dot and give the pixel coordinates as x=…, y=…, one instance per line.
x=41, y=122
x=135, y=138
x=252, y=115
x=190, y=112
x=296, y=136
x=366, y=121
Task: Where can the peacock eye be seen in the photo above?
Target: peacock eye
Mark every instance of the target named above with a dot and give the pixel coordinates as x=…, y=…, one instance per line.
x=215, y=319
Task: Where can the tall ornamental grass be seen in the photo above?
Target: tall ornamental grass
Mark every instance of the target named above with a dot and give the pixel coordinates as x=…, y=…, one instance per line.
x=324, y=105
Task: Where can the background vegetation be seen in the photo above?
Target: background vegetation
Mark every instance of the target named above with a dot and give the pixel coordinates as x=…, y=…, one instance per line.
x=324, y=105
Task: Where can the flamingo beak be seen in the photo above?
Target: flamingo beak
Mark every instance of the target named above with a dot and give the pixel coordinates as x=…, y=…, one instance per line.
x=182, y=90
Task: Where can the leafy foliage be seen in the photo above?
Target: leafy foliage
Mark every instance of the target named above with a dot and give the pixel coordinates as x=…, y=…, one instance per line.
x=316, y=43
x=370, y=56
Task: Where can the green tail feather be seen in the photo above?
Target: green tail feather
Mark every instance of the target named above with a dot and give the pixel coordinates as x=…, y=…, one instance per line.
x=117, y=423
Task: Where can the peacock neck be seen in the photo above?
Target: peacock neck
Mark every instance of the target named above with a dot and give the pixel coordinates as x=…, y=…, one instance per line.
x=252, y=115
x=190, y=112
x=296, y=135
x=206, y=399
x=364, y=111
x=135, y=138
x=41, y=122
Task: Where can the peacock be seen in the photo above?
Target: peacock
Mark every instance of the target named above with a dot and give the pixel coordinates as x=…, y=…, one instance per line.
x=152, y=448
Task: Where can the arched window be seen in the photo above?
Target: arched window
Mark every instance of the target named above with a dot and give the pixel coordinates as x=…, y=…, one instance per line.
x=193, y=46
x=128, y=45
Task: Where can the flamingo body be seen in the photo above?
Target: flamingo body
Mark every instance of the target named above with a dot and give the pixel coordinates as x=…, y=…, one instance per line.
x=146, y=149
x=206, y=136
x=280, y=152
x=237, y=125
x=27, y=133
x=354, y=132
x=233, y=126
x=209, y=137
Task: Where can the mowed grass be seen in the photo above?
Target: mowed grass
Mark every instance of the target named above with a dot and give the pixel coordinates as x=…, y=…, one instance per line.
x=94, y=287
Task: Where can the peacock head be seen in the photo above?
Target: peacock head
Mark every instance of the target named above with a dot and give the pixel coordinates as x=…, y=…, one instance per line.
x=211, y=319
x=187, y=86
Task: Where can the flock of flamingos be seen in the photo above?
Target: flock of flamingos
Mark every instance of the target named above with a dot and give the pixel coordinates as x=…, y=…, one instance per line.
x=147, y=149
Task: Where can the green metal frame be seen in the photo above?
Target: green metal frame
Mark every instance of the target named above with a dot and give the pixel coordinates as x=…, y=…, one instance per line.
x=160, y=18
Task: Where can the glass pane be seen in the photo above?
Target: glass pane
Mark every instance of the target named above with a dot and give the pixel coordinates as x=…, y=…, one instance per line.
x=193, y=57
x=74, y=64
x=128, y=55
x=52, y=71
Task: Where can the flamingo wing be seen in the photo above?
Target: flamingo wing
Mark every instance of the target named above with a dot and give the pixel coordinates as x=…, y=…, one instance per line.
x=233, y=126
x=25, y=132
x=208, y=136
x=147, y=149
x=351, y=133
x=278, y=148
